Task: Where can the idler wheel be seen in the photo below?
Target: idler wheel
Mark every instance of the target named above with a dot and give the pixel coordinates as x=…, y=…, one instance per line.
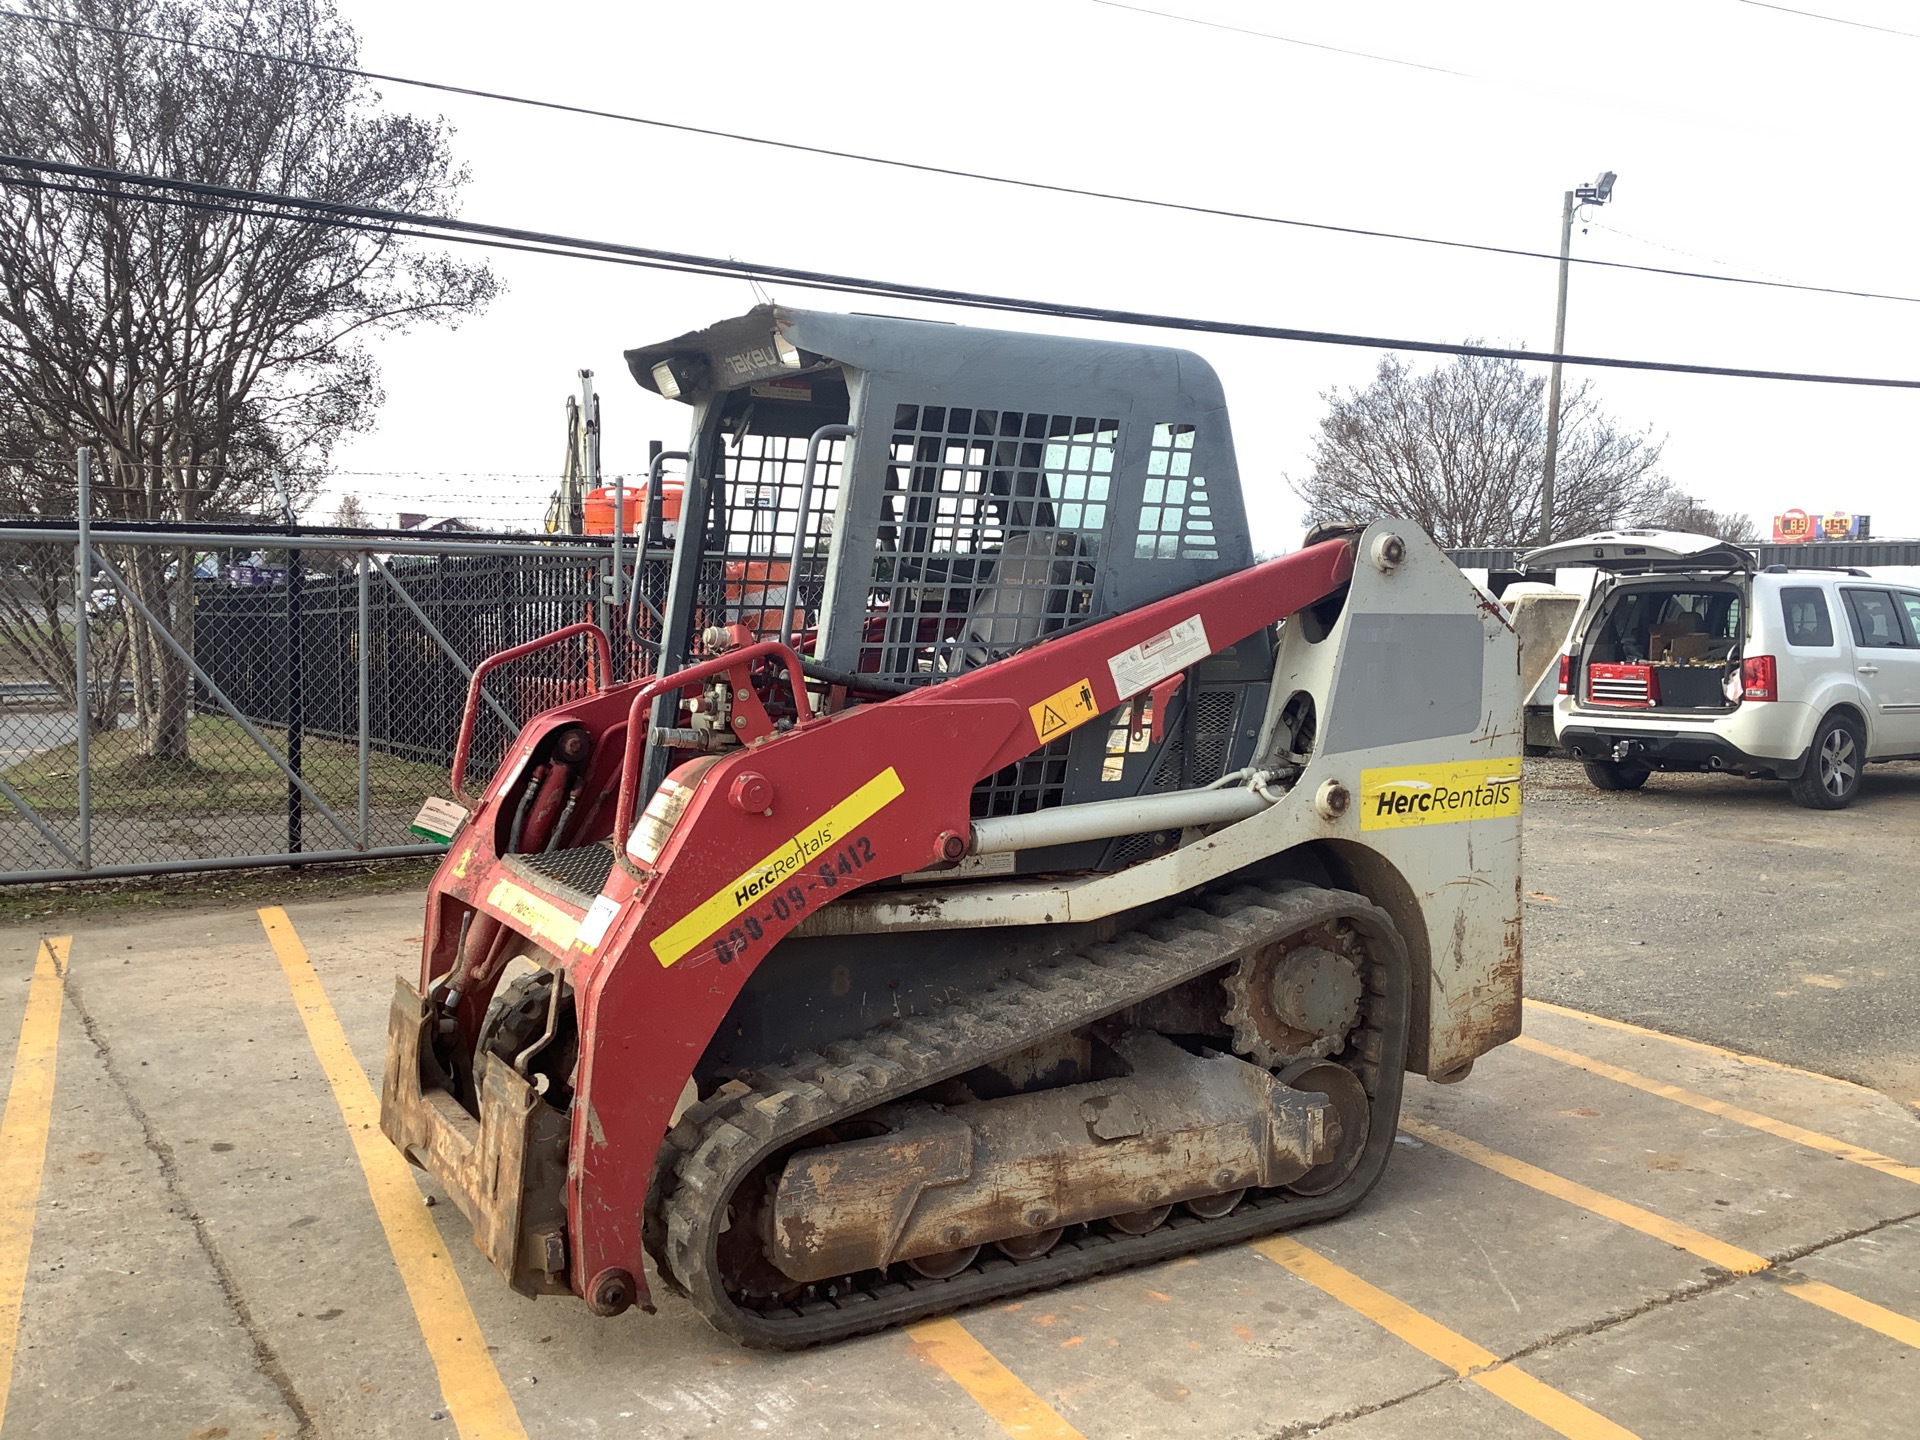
x=1216, y=1207
x=1354, y=1111
x=944, y=1264
x=1141, y=1222
x=1029, y=1247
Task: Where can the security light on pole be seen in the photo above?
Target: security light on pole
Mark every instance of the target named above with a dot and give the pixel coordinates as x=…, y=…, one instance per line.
x=1598, y=193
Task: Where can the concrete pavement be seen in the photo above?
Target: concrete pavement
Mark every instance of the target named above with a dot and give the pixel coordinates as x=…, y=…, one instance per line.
x=1570, y=1227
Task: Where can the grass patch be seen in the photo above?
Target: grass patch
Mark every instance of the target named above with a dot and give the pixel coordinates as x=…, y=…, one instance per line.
x=226, y=773
x=215, y=889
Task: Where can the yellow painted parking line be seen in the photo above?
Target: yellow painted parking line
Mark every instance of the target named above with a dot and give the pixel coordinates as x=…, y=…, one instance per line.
x=1688, y=1043
x=23, y=1141
x=476, y=1398
x=994, y=1388
x=1890, y=1323
x=1848, y=1306
x=1473, y=1362
x=1740, y=1115
x=1671, y=1232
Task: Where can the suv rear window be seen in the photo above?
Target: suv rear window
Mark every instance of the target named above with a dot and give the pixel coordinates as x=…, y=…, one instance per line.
x=1643, y=622
x=1876, y=621
x=1804, y=608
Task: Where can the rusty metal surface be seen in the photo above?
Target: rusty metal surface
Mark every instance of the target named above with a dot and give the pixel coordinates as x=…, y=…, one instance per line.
x=504, y=1171
x=1179, y=1127
x=1294, y=1001
x=724, y=1142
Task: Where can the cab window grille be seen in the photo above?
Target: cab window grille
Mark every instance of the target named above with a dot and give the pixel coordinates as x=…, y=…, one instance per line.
x=1033, y=782
x=748, y=555
x=1176, y=514
x=989, y=536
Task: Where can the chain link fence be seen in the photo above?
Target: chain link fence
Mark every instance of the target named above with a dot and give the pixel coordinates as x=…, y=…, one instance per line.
x=174, y=701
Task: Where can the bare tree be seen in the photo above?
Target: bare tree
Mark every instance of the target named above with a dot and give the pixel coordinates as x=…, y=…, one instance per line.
x=1685, y=512
x=1460, y=448
x=42, y=595
x=206, y=350
x=350, y=514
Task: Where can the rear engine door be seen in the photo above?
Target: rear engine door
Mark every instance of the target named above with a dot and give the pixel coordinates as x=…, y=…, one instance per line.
x=1886, y=657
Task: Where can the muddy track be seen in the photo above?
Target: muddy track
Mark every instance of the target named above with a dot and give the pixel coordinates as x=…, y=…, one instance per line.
x=719, y=1142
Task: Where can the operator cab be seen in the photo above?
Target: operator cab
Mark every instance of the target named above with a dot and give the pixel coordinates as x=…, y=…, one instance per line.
x=972, y=492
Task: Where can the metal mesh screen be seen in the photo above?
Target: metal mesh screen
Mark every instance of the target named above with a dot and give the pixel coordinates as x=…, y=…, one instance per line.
x=40, y=609
x=1176, y=516
x=989, y=536
x=1033, y=782
x=1215, y=715
x=582, y=870
x=748, y=563
x=1212, y=742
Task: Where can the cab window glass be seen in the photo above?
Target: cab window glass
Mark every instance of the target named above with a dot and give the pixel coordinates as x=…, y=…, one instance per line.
x=1804, y=609
x=1876, y=623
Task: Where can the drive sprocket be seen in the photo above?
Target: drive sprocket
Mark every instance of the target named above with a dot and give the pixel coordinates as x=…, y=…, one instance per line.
x=1296, y=999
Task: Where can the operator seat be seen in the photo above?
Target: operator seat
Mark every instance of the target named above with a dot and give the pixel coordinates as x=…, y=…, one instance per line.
x=1030, y=594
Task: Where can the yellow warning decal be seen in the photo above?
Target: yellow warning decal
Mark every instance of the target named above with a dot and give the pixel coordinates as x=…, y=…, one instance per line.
x=1064, y=710
x=750, y=884
x=542, y=920
x=1402, y=795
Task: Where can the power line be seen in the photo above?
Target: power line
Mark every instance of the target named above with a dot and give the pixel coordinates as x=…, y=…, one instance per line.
x=1830, y=19
x=437, y=227
x=1670, y=249
x=1283, y=39
x=955, y=173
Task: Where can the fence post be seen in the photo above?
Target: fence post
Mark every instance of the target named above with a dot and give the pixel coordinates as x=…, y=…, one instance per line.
x=296, y=696
x=365, y=698
x=82, y=689
x=619, y=540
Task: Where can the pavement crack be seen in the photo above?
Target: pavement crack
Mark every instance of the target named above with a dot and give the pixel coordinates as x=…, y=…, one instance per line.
x=264, y=1355
x=1710, y=1284
x=1302, y=1428
x=1787, y=1257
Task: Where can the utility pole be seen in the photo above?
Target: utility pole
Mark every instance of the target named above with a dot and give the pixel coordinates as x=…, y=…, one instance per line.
x=1597, y=193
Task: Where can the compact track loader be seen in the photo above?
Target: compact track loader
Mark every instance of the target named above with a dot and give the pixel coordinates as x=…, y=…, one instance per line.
x=994, y=876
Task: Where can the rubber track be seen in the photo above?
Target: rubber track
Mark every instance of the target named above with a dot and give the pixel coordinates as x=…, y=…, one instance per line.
x=719, y=1141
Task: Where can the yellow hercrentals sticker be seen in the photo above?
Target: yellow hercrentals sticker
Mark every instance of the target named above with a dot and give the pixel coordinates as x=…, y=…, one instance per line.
x=1402, y=795
x=1064, y=710
x=749, y=885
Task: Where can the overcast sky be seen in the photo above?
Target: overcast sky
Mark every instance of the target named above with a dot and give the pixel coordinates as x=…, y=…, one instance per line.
x=1747, y=140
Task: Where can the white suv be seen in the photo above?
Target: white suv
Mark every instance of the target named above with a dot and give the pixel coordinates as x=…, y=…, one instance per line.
x=1686, y=658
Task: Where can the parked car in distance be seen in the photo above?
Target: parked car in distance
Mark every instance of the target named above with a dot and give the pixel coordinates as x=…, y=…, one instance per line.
x=1685, y=657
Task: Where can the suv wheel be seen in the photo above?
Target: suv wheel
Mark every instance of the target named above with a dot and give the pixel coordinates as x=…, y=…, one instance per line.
x=1611, y=775
x=1832, y=776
